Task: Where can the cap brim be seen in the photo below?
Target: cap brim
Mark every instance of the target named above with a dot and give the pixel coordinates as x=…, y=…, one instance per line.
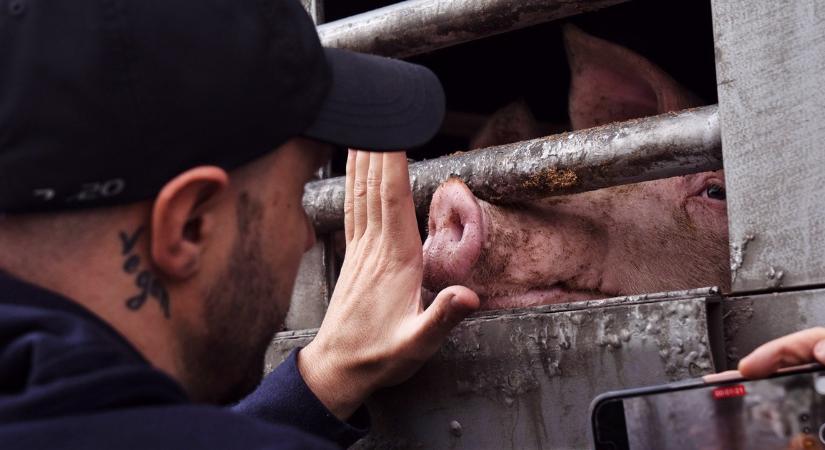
x=378, y=103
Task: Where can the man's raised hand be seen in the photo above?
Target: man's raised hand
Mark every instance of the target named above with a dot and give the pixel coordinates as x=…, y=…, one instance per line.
x=376, y=331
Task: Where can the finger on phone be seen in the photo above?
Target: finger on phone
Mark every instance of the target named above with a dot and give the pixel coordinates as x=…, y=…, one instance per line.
x=348, y=201
x=359, y=193
x=790, y=350
x=374, y=176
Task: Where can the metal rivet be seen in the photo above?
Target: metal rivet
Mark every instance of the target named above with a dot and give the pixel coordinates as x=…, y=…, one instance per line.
x=455, y=428
x=17, y=7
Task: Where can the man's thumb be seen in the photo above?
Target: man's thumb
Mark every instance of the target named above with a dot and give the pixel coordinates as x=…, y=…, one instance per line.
x=450, y=306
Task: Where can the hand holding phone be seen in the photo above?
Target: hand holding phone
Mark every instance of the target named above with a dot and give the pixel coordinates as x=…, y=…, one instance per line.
x=726, y=411
x=794, y=349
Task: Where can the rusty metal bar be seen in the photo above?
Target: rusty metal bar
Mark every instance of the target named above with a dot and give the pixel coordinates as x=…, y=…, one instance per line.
x=419, y=26
x=620, y=153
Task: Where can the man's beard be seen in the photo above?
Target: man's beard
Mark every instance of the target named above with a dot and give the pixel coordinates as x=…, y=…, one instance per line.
x=241, y=313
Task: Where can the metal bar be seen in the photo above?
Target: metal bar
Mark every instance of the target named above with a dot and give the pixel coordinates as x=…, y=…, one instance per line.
x=419, y=26
x=524, y=379
x=621, y=153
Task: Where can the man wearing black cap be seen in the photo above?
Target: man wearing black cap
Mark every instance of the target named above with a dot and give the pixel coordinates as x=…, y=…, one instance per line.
x=152, y=161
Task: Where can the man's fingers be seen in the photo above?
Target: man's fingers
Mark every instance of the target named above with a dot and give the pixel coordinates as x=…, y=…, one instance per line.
x=449, y=308
x=799, y=348
x=374, y=177
x=396, y=196
x=348, y=200
x=359, y=194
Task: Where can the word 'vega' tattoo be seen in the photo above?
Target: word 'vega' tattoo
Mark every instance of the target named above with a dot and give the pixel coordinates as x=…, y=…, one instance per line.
x=145, y=280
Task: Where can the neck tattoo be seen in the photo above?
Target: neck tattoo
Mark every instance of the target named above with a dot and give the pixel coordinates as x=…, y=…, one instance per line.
x=149, y=286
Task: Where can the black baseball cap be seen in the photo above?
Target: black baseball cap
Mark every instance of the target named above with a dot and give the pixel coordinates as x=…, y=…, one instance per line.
x=104, y=101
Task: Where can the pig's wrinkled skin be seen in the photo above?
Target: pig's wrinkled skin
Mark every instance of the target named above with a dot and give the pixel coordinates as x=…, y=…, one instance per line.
x=656, y=236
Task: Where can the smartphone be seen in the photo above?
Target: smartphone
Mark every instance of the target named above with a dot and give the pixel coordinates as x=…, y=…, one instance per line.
x=722, y=411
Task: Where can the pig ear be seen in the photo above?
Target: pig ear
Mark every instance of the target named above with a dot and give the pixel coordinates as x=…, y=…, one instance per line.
x=512, y=123
x=610, y=83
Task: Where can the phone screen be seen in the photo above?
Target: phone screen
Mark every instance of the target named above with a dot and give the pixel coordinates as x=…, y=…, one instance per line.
x=786, y=412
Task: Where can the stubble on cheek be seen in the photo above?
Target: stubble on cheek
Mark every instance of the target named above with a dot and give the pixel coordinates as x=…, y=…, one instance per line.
x=241, y=314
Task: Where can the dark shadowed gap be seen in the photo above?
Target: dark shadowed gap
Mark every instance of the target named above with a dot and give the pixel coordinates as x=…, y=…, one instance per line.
x=482, y=76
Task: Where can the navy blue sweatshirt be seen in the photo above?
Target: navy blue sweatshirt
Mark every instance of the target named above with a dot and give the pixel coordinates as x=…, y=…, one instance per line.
x=70, y=381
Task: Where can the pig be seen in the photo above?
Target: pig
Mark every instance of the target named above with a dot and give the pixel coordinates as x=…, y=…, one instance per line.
x=512, y=123
x=662, y=235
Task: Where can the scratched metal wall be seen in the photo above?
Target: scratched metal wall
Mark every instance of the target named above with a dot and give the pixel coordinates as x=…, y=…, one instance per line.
x=771, y=69
x=524, y=379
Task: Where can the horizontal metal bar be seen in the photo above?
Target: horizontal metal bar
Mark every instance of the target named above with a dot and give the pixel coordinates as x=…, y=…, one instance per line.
x=419, y=26
x=620, y=153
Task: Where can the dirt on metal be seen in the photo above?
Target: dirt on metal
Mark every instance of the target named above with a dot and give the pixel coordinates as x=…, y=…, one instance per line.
x=551, y=180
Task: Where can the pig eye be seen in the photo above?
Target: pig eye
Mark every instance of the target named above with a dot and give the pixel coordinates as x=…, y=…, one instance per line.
x=715, y=192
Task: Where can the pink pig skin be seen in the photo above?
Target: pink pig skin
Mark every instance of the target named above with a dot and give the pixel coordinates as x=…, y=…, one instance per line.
x=656, y=236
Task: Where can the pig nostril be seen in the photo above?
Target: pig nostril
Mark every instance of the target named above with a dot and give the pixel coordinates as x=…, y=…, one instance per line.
x=455, y=226
x=455, y=235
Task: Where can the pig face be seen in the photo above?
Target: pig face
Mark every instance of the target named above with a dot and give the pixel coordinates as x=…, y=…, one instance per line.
x=656, y=236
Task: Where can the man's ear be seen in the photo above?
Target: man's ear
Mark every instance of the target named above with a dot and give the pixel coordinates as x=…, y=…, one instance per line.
x=184, y=216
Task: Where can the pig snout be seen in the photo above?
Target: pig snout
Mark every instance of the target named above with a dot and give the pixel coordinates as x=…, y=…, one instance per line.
x=456, y=234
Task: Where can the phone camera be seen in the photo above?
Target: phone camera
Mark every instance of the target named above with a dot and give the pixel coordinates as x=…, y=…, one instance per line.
x=822, y=433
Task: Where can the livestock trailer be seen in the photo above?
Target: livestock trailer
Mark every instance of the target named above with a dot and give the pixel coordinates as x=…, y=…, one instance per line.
x=524, y=378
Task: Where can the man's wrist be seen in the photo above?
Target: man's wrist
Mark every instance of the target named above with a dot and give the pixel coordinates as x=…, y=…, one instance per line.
x=339, y=391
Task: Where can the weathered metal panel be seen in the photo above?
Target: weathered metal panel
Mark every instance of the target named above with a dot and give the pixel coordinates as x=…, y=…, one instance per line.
x=620, y=153
x=750, y=321
x=419, y=26
x=523, y=379
x=771, y=72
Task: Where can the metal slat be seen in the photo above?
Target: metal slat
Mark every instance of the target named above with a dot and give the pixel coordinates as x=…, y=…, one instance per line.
x=620, y=153
x=419, y=26
x=524, y=379
x=770, y=61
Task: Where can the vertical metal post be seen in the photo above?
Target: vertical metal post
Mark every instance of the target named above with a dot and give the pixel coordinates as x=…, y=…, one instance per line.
x=315, y=280
x=770, y=64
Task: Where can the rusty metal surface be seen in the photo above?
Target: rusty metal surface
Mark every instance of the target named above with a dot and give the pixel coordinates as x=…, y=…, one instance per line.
x=770, y=64
x=626, y=152
x=750, y=321
x=524, y=379
x=419, y=26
